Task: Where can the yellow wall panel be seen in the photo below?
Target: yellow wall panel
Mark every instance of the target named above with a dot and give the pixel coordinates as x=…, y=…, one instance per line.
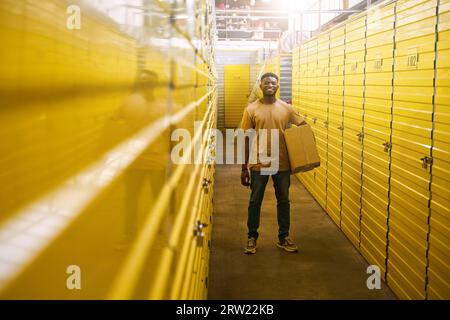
x=84, y=137
x=352, y=128
x=388, y=152
x=438, y=286
x=378, y=130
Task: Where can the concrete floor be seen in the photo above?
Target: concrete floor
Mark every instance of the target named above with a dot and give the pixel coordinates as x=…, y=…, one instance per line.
x=327, y=265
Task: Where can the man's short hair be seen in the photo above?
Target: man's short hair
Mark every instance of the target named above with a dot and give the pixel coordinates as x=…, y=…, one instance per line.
x=269, y=74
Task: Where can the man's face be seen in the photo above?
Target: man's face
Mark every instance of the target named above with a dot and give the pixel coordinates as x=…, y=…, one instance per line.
x=269, y=86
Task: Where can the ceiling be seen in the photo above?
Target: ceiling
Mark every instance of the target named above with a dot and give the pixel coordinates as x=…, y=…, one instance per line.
x=247, y=19
x=270, y=19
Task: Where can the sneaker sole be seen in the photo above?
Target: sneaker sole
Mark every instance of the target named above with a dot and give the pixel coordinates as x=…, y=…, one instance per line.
x=286, y=249
x=251, y=251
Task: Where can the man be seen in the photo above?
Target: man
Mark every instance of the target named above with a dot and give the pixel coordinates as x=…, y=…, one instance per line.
x=268, y=113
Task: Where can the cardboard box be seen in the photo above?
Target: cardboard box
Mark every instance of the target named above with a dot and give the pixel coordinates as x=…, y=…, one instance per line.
x=302, y=149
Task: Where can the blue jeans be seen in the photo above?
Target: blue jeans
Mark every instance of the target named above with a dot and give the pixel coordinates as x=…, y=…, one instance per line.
x=258, y=182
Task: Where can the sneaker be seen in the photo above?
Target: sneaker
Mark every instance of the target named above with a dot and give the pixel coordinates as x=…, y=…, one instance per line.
x=287, y=244
x=251, y=246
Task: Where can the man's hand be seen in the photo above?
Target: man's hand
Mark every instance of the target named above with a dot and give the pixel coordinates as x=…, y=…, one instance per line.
x=245, y=178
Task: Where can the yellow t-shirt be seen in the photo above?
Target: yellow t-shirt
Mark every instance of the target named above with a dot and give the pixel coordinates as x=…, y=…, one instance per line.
x=276, y=116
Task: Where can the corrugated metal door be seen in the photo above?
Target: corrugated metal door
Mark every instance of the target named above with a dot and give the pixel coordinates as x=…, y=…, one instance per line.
x=303, y=83
x=439, y=239
x=320, y=116
x=334, y=139
x=273, y=65
x=377, y=135
x=237, y=88
x=390, y=185
x=286, y=77
x=308, y=178
x=296, y=77
x=353, y=125
x=232, y=56
x=411, y=141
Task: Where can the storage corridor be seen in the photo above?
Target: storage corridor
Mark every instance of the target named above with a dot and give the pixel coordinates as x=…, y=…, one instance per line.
x=113, y=118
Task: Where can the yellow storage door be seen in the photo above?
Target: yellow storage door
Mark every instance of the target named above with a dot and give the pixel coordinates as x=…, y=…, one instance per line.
x=377, y=133
x=296, y=78
x=411, y=141
x=353, y=123
x=309, y=101
x=320, y=117
x=302, y=78
x=236, y=90
x=439, y=238
x=335, y=109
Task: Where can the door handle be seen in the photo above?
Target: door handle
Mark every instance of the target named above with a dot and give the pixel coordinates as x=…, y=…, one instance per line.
x=205, y=185
x=360, y=136
x=426, y=161
x=210, y=160
x=387, y=146
x=199, y=231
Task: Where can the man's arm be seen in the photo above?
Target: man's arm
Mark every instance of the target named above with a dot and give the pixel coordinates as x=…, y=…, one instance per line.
x=246, y=124
x=246, y=153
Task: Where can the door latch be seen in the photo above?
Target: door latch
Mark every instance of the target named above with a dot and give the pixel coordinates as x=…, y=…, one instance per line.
x=426, y=161
x=210, y=161
x=387, y=146
x=199, y=232
x=360, y=136
x=205, y=185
